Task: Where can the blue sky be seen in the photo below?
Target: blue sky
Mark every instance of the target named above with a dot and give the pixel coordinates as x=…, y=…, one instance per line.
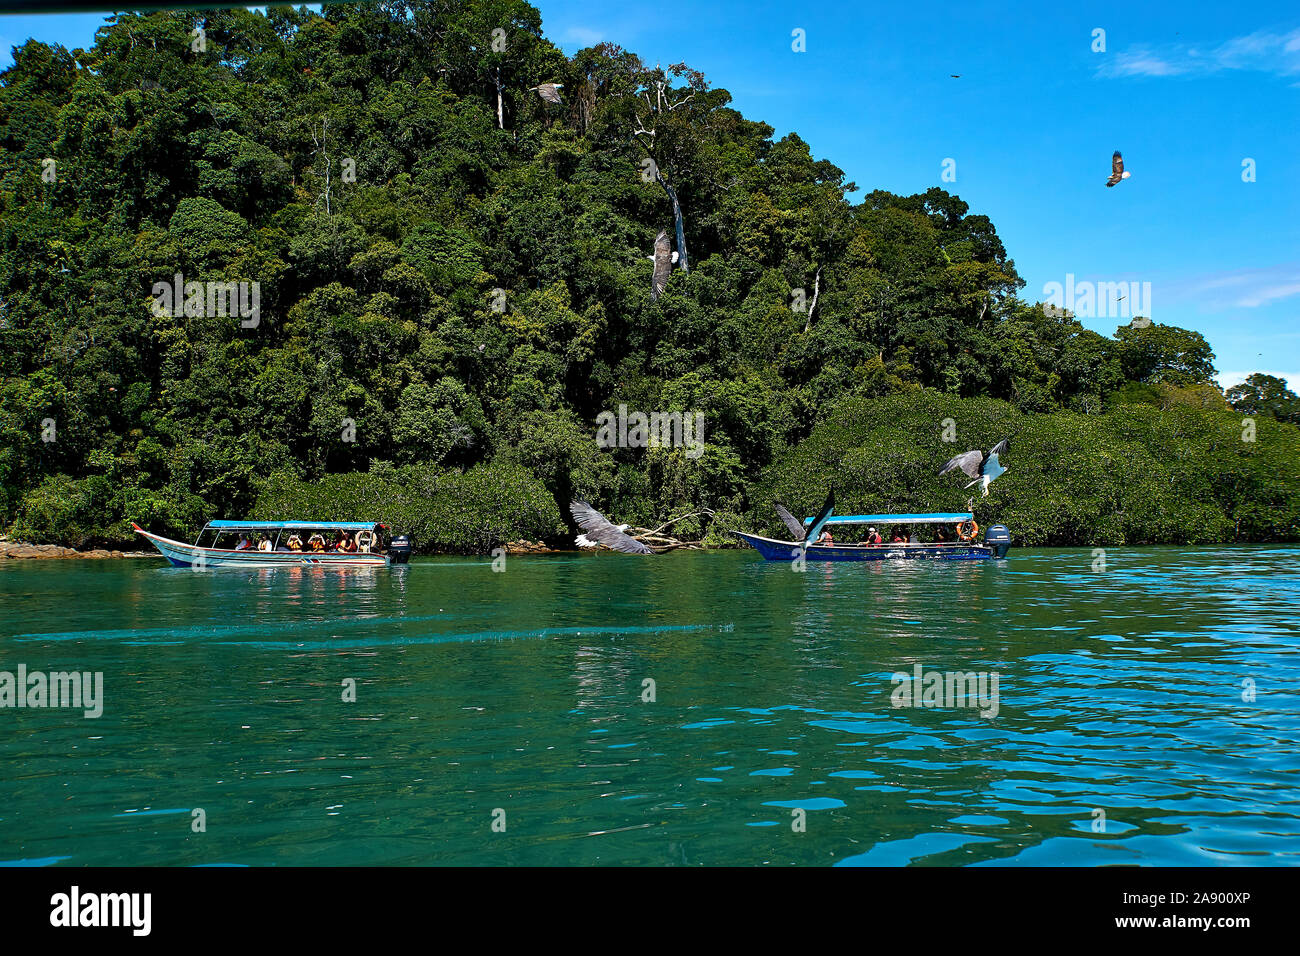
x=1188, y=91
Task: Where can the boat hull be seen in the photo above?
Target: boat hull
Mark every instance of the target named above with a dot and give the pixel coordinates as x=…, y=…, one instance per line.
x=773, y=550
x=183, y=555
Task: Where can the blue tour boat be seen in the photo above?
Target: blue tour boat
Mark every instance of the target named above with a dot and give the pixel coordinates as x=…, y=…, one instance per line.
x=997, y=539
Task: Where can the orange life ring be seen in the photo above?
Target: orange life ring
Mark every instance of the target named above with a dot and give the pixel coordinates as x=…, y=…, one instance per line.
x=972, y=530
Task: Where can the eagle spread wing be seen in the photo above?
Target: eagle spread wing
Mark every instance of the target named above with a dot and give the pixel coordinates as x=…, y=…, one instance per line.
x=969, y=463
x=815, y=529
x=790, y=521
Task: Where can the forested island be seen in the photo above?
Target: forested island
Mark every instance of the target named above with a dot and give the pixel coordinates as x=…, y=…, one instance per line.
x=452, y=248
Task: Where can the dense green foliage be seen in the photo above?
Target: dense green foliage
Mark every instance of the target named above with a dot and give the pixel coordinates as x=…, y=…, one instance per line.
x=1137, y=475
x=454, y=274
x=444, y=509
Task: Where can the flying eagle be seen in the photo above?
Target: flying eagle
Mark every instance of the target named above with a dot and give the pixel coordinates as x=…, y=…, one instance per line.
x=982, y=466
x=549, y=92
x=664, y=259
x=1117, y=170
x=600, y=530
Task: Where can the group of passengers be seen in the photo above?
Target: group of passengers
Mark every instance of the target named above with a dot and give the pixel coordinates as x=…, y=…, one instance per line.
x=363, y=542
x=965, y=533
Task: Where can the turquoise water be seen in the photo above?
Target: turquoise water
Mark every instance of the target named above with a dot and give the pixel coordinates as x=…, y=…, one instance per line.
x=772, y=738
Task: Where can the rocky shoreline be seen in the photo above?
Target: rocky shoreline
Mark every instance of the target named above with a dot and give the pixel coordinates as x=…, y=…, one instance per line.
x=523, y=546
x=22, y=551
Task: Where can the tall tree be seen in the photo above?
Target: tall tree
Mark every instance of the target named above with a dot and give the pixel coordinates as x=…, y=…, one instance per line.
x=669, y=121
x=1262, y=394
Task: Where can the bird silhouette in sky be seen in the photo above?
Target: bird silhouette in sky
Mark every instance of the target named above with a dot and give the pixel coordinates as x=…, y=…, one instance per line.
x=1117, y=170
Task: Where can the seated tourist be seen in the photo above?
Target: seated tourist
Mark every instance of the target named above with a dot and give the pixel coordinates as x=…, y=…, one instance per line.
x=244, y=543
x=295, y=543
x=825, y=537
x=900, y=536
x=316, y=542
x=264, y=544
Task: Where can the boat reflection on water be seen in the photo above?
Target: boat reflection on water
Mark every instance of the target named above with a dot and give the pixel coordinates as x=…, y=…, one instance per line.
x=354, y=591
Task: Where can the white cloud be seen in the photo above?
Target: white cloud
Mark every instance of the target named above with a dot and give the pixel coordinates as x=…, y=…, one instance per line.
x=1263, y=51
x=1266, y=294
x=1242, y=288
x=1142, y=63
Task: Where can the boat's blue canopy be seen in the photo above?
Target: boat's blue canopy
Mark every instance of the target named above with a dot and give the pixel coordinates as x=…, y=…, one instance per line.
x=934, y=517
x=295, y=525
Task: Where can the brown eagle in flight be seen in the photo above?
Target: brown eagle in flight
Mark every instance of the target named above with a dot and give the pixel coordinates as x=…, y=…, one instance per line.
x=663, y=259
x=1117, y=170
x=549, y=92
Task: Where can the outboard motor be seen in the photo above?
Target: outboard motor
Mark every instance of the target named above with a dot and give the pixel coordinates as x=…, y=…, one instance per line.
x=998, y=537
x=399, y=549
